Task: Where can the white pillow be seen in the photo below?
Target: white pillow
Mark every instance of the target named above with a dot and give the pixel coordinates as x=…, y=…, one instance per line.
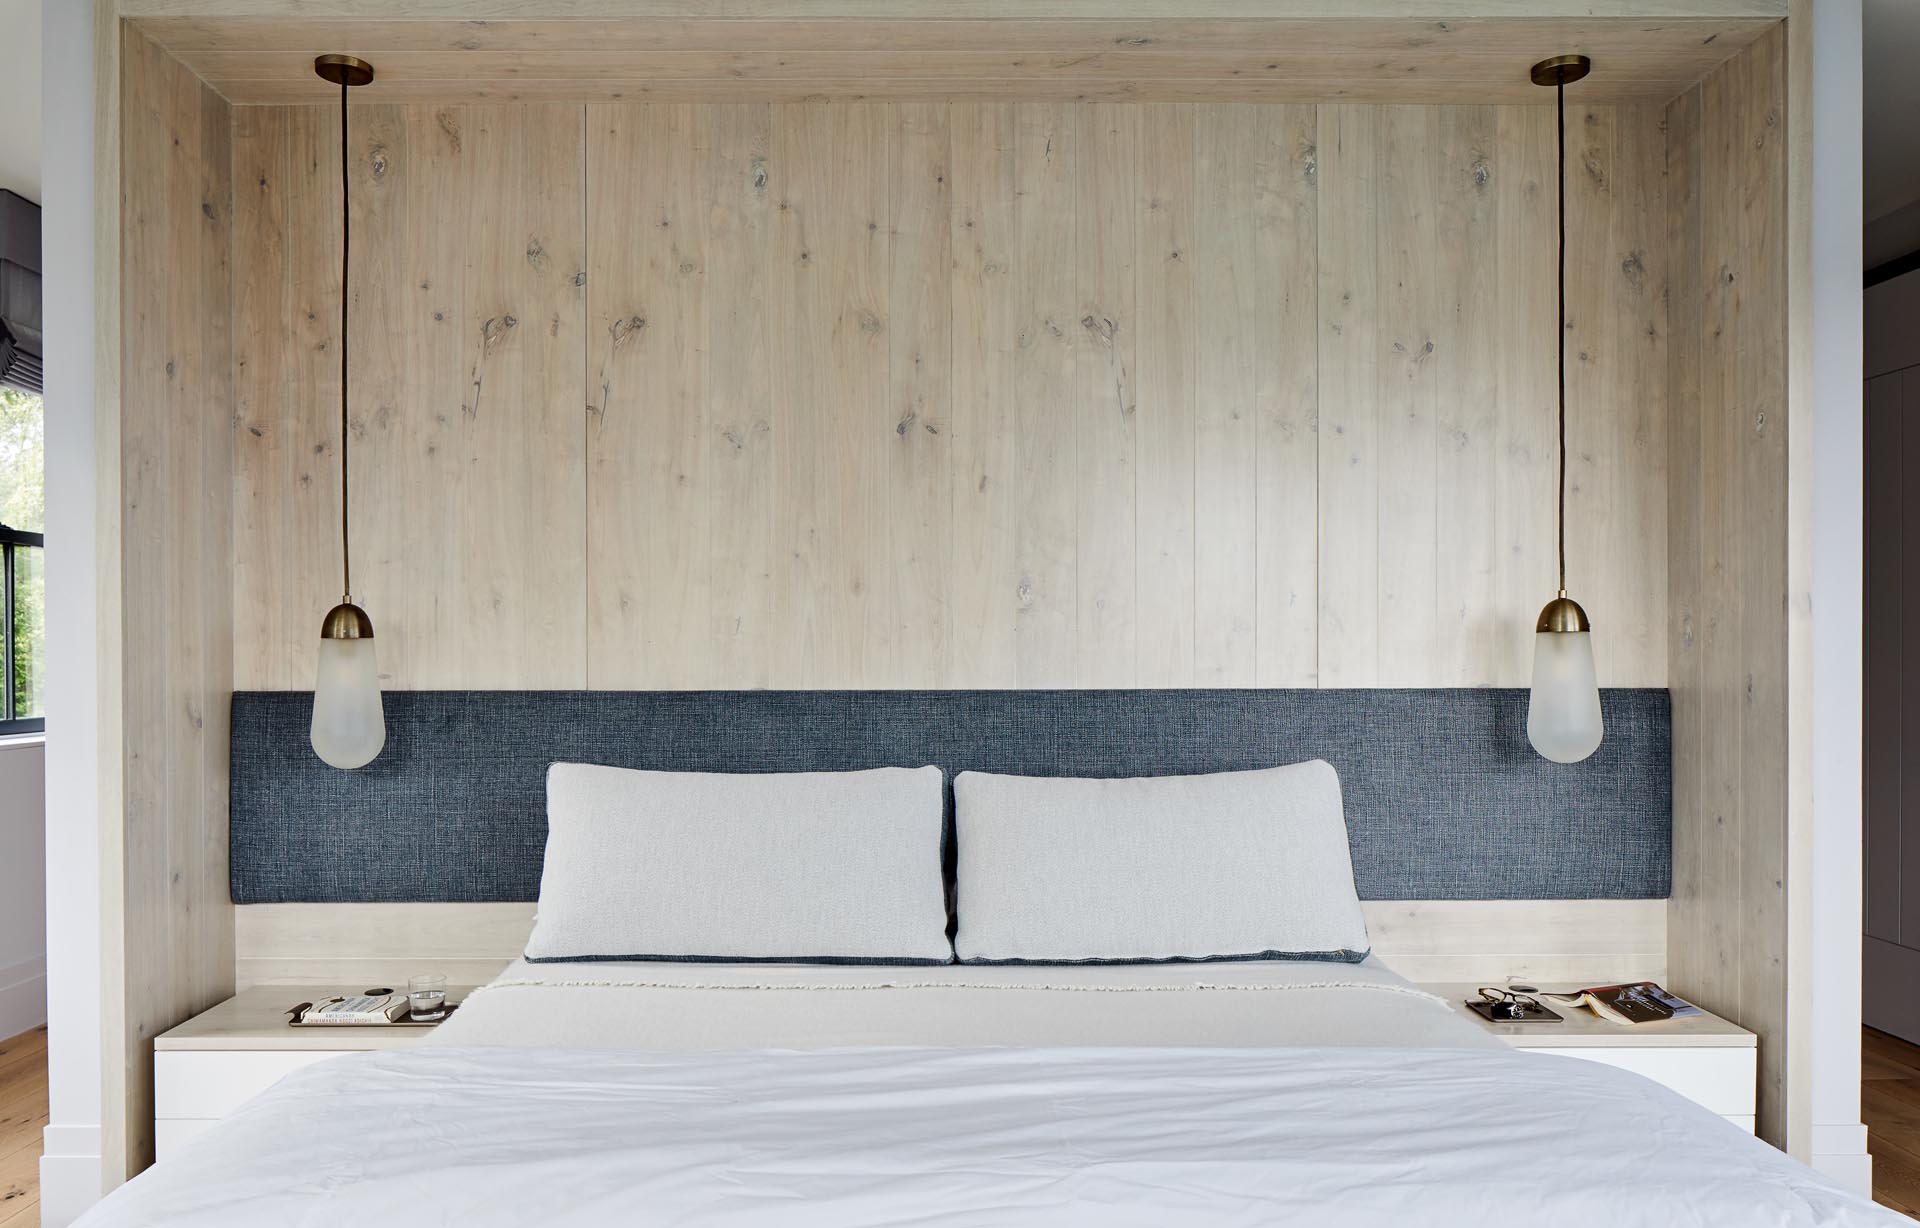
x=1236, y=865
x=833, y=867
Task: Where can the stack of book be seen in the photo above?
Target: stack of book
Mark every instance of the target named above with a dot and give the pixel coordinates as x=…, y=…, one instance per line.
x=1640, y=1002
x=360, y=1010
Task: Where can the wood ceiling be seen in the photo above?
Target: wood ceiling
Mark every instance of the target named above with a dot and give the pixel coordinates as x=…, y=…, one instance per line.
x=265, y=60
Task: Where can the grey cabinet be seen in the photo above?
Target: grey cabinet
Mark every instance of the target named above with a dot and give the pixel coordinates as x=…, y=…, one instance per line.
x=1891, y=955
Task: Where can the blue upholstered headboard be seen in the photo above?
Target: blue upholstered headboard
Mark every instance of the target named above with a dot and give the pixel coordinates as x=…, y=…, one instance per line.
x=1444, y=798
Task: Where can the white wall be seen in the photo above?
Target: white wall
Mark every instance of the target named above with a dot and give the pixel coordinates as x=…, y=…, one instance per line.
x=70, y=1171
x=23, y=895
x=1839, y=1140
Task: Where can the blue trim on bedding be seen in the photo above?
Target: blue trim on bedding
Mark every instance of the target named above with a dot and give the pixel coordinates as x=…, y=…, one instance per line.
x=860, y=961
x=1444, y=798
x=1305, y=957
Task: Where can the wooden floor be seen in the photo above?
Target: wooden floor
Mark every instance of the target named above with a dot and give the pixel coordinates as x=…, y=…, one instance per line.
x=23, y=1115
x=1890, y=1105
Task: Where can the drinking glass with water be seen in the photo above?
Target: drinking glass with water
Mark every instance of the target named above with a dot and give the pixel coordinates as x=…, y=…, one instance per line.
x=427, y=998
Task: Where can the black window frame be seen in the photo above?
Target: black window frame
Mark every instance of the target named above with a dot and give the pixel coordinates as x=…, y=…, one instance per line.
x=11, y=539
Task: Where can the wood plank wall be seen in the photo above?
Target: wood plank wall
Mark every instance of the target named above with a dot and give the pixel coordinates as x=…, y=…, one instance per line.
x=176, y=577
x=950, y=394
x=1728, y=919
x=467, y=390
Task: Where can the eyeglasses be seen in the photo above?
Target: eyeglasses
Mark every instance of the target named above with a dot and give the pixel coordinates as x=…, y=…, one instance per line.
x=1511, y=1005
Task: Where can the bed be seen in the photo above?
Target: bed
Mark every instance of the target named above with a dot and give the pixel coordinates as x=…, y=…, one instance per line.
x=908, y=995
x=740, y=1094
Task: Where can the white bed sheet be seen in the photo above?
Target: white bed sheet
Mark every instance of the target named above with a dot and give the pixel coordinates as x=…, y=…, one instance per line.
x=943, y=1138
x=678, y=1006
x=745, y=1096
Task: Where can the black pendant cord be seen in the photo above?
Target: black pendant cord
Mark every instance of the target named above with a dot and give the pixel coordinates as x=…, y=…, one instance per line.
x=1560, y=117
x=346, y=239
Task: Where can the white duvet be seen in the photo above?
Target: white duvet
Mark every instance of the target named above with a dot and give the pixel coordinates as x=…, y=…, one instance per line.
x=654, y=1094
x=1353, y=1136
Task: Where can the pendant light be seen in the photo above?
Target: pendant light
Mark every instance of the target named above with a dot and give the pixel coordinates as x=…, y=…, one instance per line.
x=349, y=723
x=1563, y=712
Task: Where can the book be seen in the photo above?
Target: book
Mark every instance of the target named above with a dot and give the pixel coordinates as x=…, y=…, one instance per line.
x=358, y=1010
x=1639, y=1002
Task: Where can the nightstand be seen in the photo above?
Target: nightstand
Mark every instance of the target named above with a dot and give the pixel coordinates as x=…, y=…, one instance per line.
x=216, y=1061
x=1705, y=1058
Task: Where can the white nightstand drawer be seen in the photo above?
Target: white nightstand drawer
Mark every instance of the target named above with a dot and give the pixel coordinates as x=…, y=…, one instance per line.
x=1709, y=1060
x=209, y=1084
x=1723, y=1080
x=220, y=1059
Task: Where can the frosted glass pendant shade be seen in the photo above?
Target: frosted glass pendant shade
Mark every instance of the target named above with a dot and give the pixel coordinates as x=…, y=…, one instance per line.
x=349, y=722
x=1563, y=713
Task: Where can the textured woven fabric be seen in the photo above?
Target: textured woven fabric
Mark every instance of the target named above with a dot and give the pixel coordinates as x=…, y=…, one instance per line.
x=1444, y=798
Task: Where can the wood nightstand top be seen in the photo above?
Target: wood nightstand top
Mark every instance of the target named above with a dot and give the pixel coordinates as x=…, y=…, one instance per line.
x=256, y=1018
x=1583, y=1029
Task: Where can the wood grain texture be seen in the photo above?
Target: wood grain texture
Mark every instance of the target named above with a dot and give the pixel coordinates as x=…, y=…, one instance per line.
x=969, y=394
x=467, y=388
x=1546, y=940
x=1284, y=211
x=23, y=1118
x=920, y=391
x=739, y=234
x=1106, y=395
x=494, y=12
x=1406, y=399
x=175, y=572
x=1890, y=1106
x=1437, y=450
x=832, y=592
x=1229, y=361
x=1046, y=315
x=1234, y=53
x=650, y=592
x=1348, y=478
x=1525, y=436
x=1474, y=624
x=984, y=446
x=1728, y=556
x=1816, y=1053
x=110, y=43
x=1166, y=408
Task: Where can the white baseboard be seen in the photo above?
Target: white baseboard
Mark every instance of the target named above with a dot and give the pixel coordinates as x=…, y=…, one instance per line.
x=23, y=996
x=1840, y=1152
x=70, y=1174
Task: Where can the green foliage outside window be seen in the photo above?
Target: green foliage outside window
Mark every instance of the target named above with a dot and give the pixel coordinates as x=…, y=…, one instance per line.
x=23, y=461
x=23, y=505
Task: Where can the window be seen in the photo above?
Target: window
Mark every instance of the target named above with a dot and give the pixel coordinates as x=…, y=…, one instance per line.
x=23, y=583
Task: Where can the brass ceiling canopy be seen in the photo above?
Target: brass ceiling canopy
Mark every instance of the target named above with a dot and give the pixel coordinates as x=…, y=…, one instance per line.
x=1562, y=614
x=1560, y=70
x=346, y=621
x=343, y=70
